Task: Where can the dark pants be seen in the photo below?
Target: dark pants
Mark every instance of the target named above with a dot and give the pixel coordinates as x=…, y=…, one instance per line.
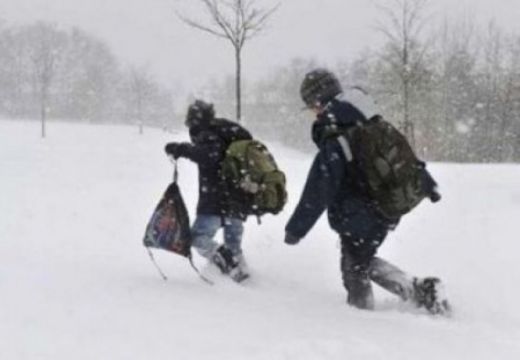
x=360, y=266
x=360, y=250
x=356, y=255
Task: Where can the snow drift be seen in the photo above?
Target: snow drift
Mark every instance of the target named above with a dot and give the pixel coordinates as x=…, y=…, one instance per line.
x=75, y=281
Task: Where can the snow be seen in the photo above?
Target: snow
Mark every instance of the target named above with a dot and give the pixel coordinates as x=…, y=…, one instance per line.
x=463, y=127
x=75, y=281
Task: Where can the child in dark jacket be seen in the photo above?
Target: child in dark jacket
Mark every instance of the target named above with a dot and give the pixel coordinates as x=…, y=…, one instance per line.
x=332, y=185
x=210, y=138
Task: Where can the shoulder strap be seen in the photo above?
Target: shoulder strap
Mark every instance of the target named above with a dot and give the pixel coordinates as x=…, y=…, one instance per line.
x=345, y=146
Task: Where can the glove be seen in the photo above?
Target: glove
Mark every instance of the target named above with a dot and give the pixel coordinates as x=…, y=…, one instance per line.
x=430, y=186
x=435, y=196
x=175, y=149
x=290, y=239
x=170, y=148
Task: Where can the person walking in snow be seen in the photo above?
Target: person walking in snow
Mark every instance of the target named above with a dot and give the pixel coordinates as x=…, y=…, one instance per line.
x=340, y=180
x=210, y=137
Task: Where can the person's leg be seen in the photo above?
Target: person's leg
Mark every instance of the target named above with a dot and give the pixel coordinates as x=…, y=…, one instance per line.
x=360, y=265
x=359, y=261
x=425, y=292
x=391, y=278
x=355, y=262
x=203, y=232
x=233, y=231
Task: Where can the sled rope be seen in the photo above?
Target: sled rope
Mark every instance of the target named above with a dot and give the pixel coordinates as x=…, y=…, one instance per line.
x=190, y=258
x=175, y=170
x=156, y=265
x=205, y=279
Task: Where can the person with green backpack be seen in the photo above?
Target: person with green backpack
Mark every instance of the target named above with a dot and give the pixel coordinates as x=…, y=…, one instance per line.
x=238, y=177
x=210, y=137
x=367, y=177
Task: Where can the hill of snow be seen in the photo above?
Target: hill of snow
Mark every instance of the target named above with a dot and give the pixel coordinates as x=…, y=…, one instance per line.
x=76, y=283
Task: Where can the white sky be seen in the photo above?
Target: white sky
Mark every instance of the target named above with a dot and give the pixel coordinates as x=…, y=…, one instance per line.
x=147, y=32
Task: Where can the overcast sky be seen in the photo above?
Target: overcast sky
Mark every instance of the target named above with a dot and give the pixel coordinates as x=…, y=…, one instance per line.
x=147, y=32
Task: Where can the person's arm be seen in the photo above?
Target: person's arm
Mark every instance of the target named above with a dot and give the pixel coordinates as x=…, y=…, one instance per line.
x=200, y=153
x=429, y=184
x=326, y=176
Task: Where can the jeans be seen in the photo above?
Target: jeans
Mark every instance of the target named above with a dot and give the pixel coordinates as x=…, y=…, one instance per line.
x=206, y=226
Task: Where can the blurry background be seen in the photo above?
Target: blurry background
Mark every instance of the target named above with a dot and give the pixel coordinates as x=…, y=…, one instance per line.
x=455, y=90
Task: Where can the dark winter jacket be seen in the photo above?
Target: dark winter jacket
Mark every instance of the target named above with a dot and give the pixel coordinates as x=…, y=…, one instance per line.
x=331, y=184
x=208, y=147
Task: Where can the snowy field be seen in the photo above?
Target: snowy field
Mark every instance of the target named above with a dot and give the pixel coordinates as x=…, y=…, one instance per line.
x=76, y=283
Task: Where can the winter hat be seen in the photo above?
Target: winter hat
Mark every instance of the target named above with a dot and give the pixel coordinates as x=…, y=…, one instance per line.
x=199, y=113
x=319, y=87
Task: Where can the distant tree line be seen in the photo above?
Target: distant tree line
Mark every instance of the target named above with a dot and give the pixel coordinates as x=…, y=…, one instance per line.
x=462, y=98
x=47, y=72
x=456, y=94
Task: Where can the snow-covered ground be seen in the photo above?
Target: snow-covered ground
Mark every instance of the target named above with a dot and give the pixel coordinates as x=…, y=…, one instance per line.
x=76, y=283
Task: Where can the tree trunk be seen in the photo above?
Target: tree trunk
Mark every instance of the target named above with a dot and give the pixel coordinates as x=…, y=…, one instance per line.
x=408, y=125
x=238, y=83
x=43, y=110
x=140, y=111
x=43, y=120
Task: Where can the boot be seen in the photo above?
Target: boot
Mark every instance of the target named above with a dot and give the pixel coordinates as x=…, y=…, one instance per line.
x=229, y=264
x=241, y=272
x=429, y=292
x=223, y=259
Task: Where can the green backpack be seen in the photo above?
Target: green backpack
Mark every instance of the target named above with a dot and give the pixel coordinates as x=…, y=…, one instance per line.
x=385, y=165
x=254, y=177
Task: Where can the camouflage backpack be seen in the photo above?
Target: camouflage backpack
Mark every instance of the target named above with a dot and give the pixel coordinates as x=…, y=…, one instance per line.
x=385, y=165
x=251, y=171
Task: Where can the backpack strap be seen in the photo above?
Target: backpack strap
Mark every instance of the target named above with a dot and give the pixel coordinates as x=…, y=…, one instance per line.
x=345, y=146
x=343, y=136
x=350, y=163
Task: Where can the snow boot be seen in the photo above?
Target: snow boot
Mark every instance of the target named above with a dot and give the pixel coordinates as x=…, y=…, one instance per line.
x=359, y=288
x=238, y=275
x=223, y=258
x=429, y=293
x=228, y=264
x=241, y=272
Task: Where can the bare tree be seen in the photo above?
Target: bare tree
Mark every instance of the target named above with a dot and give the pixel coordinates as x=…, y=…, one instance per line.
x=403, y=23
x=69, y=74
x=457, y=58
x=87, y=79
x=44, y=44
x=500, y=85
x=16, y=69
x=142, y=89
x=510, y=127
x=236, y=21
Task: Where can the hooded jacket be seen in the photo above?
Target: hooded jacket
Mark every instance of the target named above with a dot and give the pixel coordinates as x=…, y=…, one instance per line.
x=331, y=185
x=209, y=143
